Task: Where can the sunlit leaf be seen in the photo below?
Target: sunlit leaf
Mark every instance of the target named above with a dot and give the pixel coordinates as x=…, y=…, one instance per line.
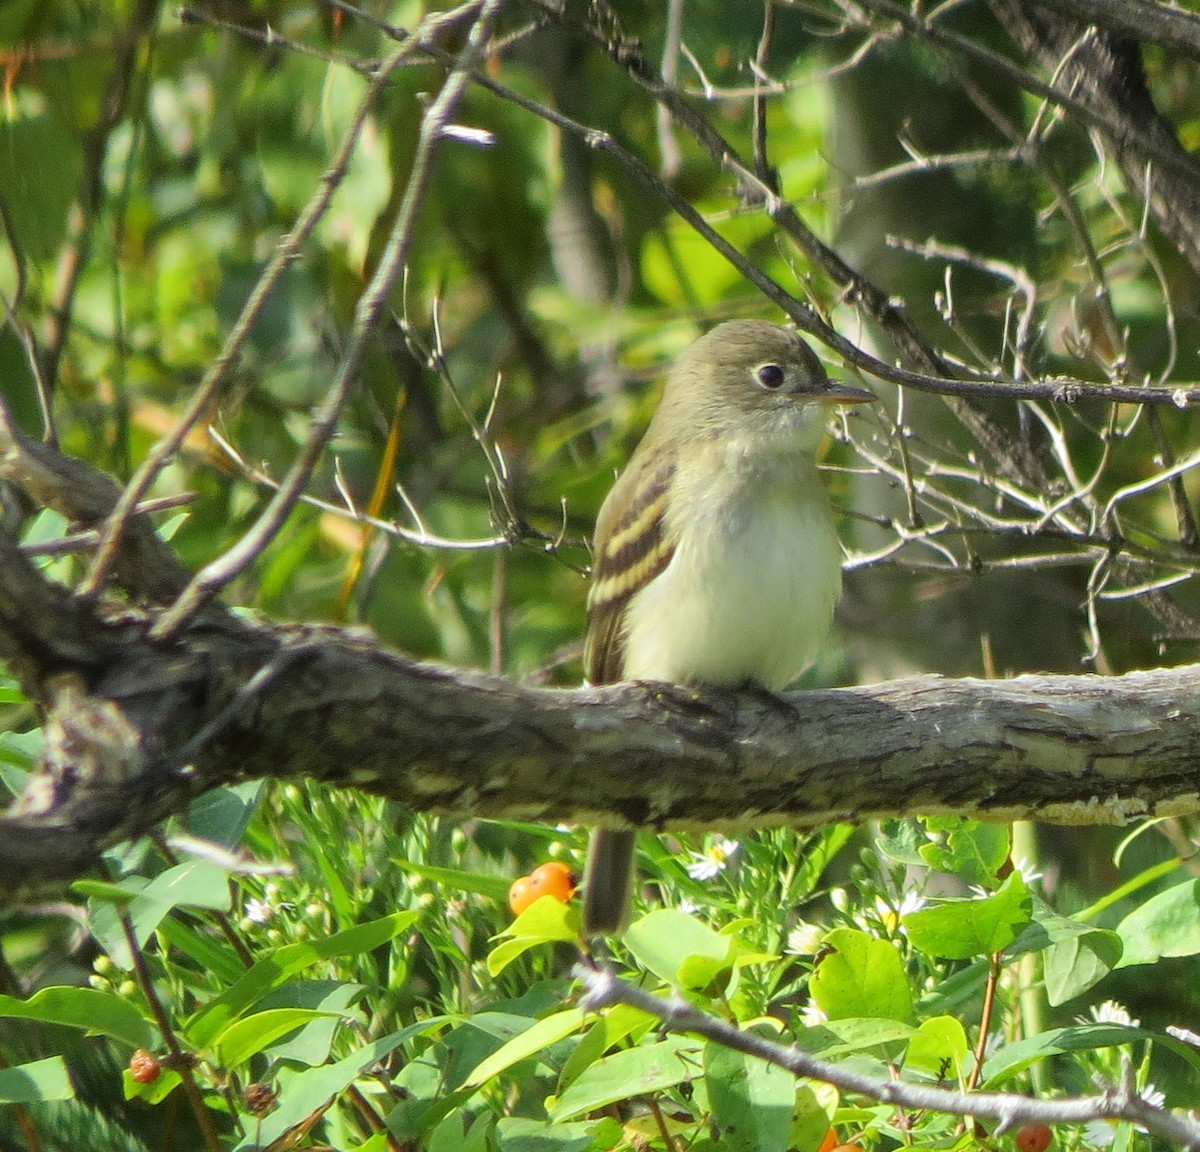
x=862, y=976
x=639, y=1071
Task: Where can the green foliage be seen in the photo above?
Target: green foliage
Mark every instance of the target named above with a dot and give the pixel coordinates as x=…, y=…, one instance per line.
x=469, y=1012
x=323, y=967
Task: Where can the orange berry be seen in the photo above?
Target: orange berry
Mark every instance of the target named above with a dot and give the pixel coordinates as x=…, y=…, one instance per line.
x=144, y=1067
x=554, y=879
x=830, y=1142
x=1034, y=1137
x=519, y=897
x=846, y=1148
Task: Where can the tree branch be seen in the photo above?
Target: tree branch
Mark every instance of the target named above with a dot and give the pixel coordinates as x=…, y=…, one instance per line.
x=1116, y=1102
x=1145, y=20
x=142, y=726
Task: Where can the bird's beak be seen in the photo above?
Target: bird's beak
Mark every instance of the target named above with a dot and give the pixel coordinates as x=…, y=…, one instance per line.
x=839, y=393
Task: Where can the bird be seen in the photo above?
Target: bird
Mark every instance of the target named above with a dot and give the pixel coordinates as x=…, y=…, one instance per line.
x=715, y=556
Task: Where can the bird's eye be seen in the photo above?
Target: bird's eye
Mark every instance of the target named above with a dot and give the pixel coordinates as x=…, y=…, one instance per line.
x=771, y=376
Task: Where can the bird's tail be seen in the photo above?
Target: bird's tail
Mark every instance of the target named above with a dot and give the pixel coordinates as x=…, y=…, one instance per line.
x=608, y=881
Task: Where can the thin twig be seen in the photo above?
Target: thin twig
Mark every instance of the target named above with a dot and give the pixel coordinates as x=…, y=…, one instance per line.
x=370, y=307
x=762, y=164
x=218, y=375
x=181, y=1061
x=1117, y=1102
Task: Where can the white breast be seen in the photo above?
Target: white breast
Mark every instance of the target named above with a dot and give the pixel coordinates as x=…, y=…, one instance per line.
x=751, y=589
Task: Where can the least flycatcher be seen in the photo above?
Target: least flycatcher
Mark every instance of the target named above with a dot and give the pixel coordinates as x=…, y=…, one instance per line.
x=715, y=555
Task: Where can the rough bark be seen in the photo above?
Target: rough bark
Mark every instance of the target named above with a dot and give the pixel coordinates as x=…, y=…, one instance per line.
x=136, y=728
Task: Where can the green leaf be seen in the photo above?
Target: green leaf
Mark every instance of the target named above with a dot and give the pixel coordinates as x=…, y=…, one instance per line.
x=37, y=1081
x=972, y=850
x=494, y=887
x=42, y=163
x=377, y=1143
x=683, y=269
x=529, y=1043
x=449, y=1134
x=302, y=1094
x=829, y=841
x=615, y=1025
x=167, y=529
x=334, y=999
x=680, y=949
x=223, y=815
x=634, y=1072
x=284, y=963
x=518, y=1134
x=854, y=1034
x=957, y=993
x=752, y=1101
x=166, y=1083
x=939, y=1047
x=251, y=1034
x=213, y=954
x=961, y=929
x=112, y=891
x=862, y=976
x=1166, y=925
x=22, y=749
x=96, y=1012
x=1078, y=961
x=1014, y=1058
x=902, y=841
x=194, y=884
x=815, y=1106
x=545, y=921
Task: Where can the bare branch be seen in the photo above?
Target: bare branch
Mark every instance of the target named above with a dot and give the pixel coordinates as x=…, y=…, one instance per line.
x=370, y=307
x=1165, y=24
x=218, y=375
x=228, y=699
x=1117, y=1102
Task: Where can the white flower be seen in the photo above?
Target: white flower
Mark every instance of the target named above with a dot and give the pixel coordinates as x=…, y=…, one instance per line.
x=1110, y=1012
x=1028, y=873
x=805, y=939
x=1099, y=1133
x=258, y=911
x=688, y=907
x=888, y=916
x=1153, y=1096
x=812, y=1016
x=710, y=863
x=1184, y=1034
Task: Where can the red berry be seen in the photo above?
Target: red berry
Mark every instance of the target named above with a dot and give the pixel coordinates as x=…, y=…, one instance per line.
x=144, y=1067
x=1034, y=1137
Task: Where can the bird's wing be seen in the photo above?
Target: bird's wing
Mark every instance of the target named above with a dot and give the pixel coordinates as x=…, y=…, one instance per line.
x=633, y=544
